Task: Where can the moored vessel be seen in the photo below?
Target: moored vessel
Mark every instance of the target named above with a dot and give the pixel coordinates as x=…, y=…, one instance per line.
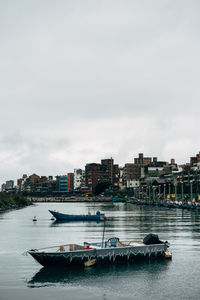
x=110, y=252
x=89, y=217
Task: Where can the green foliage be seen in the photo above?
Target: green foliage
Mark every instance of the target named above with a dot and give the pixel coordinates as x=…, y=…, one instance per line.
x=100, y=187
x=12, y=201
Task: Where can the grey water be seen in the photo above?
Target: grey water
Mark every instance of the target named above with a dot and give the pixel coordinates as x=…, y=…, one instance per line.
x=23, y=278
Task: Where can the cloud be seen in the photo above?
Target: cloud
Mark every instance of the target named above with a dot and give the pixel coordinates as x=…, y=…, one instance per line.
x=85, y=80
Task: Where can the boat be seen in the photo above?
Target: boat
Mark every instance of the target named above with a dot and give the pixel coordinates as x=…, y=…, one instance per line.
x=119, y=199
x=89, y=217
x=109, y=252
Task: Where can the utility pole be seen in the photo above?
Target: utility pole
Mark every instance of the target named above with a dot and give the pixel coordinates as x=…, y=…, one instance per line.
x=176, y=191
x=191, y=192
x=159, y=193
x=164, y=192
x=182, y=190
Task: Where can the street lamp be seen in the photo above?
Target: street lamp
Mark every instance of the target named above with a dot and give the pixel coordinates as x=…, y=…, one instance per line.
x=149, y=193
x=159, y=193
x=182, y=190
x=164, y=192
x=153, y=193
x=175, y=191
x=135, y=192
x=191, y=192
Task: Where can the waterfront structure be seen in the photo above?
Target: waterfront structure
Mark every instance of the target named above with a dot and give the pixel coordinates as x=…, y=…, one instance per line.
x=70, y=182
x=141, y=175
x=34, y=178
x=93, y=173
x=62, y=183
x=132, y=183
x=78, y=178
x=3, y=187
x=20, y=182
x=122, y=184
x=141, y=160
x=194, y=160
x=135, y=171
x=106, y=172
x=8, y=186
x=112, y=171
x=155, y=168
x=49, y=186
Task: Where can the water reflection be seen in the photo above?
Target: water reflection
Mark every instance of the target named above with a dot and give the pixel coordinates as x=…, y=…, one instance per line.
x=50, y=276
x=63, y=222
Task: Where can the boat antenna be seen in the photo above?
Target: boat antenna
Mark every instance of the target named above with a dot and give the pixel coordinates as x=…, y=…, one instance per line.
x=104, y=227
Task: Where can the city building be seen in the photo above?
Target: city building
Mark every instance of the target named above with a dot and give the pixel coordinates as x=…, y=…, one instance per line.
x=106, y=172
x=9, y=184
x=3, y=187
x=78, y=178
x=70, y=182
x=62, y=183
x=112, y=171
x=195, y=159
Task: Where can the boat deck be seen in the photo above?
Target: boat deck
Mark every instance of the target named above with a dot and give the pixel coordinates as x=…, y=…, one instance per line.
x=88, y=246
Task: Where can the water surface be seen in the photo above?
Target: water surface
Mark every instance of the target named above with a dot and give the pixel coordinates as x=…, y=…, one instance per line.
x=23, y=278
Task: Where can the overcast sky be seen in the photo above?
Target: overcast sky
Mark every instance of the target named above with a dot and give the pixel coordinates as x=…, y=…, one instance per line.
x=86, y=80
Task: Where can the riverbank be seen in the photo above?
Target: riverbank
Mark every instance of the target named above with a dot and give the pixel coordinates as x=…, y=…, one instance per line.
x=13, y=201
x=181, y=204
x=70, y=199
x=184, y=204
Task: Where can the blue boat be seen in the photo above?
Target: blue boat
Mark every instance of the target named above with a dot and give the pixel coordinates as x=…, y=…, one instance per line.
x=60, y=216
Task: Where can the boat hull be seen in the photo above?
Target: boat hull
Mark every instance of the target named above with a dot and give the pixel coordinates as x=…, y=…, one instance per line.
x=101, y=255
x=66, y=217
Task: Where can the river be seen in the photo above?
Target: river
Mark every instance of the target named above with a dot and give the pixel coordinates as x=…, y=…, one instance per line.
x=23, y=278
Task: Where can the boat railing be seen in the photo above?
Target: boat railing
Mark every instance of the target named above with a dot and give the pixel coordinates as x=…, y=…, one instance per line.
x=60, y=248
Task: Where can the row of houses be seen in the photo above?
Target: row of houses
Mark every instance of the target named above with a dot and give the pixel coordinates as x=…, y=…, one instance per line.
x=142, y=171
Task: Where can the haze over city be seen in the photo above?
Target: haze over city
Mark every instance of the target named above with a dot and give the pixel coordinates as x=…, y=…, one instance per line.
x=86, y=80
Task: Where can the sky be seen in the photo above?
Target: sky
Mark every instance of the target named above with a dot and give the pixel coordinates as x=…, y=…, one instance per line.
x=85, y=80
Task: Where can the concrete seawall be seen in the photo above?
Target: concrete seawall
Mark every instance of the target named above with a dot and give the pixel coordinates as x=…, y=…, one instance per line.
x=70, y=199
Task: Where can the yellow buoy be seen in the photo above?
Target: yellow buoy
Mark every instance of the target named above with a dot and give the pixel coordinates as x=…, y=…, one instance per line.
x=90, y=262
x=167, y=254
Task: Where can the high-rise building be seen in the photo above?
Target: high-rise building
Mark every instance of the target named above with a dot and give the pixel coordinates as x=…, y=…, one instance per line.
x=195, y=159
x=106, y=172
x=9, y=184
x=112, y=171
x=70, y=182
x=78, y=178
x=134, y=171
x=141, y=160
x=62, y=183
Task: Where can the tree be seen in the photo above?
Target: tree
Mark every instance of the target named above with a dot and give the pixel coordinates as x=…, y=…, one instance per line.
x=101, y=187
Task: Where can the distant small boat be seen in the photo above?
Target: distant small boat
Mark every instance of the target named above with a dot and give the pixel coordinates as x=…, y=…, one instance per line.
x=119, y=199
x=60, y=216
x=34, y=219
